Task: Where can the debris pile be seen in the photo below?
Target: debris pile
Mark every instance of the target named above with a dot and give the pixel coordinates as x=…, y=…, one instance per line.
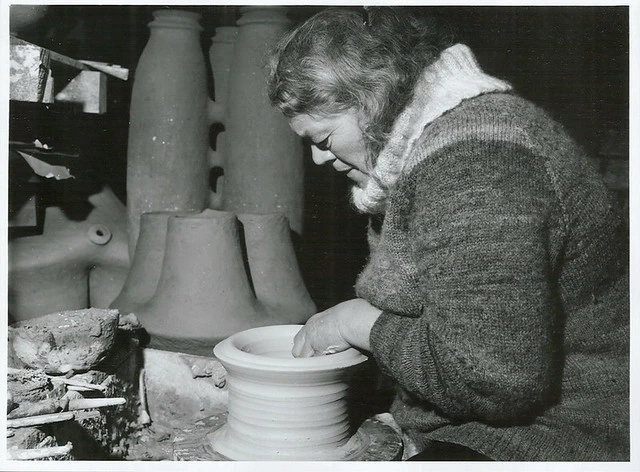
x=72, y=384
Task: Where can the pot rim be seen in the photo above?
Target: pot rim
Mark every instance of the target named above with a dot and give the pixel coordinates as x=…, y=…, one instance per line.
x=231, y=353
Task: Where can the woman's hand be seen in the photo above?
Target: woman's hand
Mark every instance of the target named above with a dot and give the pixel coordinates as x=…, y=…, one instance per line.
x=345, y=325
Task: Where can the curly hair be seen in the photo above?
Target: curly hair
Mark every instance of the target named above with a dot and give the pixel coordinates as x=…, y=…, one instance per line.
x=343, y=59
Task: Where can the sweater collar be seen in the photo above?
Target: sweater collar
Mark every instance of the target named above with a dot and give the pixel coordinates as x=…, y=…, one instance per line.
x=455, y=76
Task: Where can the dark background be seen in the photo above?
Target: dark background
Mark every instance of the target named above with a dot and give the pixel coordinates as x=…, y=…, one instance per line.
x=573, y=61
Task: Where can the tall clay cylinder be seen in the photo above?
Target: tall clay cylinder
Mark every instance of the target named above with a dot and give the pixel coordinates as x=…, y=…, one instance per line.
x=167, y=166
x=263, y=169
x=221, y=56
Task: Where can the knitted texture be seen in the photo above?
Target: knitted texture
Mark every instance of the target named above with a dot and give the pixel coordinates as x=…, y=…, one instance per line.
x=502, y=274
x=455, y=76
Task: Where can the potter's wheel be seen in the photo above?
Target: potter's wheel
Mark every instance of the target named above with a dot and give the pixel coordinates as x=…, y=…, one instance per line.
x=194, y=346
x=373, y=441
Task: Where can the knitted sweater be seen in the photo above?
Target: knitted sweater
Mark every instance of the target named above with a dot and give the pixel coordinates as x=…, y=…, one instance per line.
x=502, y=272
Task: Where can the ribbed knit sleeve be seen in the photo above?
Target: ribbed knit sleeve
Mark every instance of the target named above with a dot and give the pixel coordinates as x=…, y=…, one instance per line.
x=477, y=216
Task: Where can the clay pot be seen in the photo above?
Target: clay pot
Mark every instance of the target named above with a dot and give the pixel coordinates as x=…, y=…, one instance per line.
x=221, y=56
x=203, y=294
x=167, y=166
x=281, y=407
x=263, y=170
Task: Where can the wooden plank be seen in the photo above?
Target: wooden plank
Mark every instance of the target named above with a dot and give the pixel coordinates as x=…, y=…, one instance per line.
x=40, y=419
x=28, y=73
x=32, y=72
x=88, y=88
x=55, y=57
x=109, y=69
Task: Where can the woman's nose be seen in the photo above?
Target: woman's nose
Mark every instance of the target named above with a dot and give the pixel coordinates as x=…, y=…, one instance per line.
x=320, y=157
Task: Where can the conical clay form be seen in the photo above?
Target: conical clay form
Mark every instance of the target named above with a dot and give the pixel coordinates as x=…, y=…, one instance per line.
x=203, y=294
x=283, y=408
x=142, y=279
x=274, y=269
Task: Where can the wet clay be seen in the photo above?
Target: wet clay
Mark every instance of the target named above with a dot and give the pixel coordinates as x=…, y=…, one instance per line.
x=69, y=340
x=285, y=408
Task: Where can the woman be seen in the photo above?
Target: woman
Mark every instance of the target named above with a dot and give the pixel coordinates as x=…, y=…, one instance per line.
x=496, y=292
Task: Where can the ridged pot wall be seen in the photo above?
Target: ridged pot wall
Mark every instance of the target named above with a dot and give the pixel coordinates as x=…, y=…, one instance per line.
x=281, y=407
x=167, y=166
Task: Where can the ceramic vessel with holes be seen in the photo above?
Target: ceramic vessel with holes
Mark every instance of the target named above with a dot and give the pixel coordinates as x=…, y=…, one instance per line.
x=285, y=408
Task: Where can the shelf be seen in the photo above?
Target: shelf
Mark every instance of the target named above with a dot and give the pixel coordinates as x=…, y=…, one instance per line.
x=34, y=68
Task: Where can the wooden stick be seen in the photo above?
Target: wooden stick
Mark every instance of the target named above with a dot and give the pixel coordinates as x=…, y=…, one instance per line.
x=85, y=403
x=41, y=453
x=77, y=388
x=144, y=417
x=111, y=69
x=78, y=383
x=40, y=419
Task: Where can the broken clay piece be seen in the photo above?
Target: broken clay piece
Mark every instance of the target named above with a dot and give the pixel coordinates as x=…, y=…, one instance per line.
x=64, y=341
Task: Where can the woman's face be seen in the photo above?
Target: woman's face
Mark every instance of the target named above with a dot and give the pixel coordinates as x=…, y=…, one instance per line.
x=336, y=139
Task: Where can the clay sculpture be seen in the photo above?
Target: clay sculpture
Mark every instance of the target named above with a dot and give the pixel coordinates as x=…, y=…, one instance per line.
x=221, y=56
x=169, y=157
x=74, y=263
x=274, y=269
x=142, y=279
